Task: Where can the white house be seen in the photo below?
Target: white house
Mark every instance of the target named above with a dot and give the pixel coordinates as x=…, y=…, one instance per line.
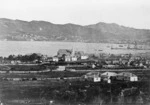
x=67, y=58
x=92, y=76
x=127, y=76
x=55, y=59
x=84, y=57
x=107, y=75
x=74, y=58
x=61, y=68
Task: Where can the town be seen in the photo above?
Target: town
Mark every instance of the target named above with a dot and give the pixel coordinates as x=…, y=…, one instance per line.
x=121, y=78
x=75, y=52
x=78, y=59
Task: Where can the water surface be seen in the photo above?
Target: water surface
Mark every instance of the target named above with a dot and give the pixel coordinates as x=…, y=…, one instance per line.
x=51, y=48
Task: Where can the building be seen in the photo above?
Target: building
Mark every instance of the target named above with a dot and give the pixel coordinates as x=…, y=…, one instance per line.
x=61, y=68
x=67, y=58
x=78, y=54
x=74, y=58
x=127, y=76
x=106, y=76
x=64, y=52
x=83, y=57
x=55, y=59
x=92, y=76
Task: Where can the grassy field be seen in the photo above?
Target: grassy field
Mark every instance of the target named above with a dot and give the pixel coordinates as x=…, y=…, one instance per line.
x=61, y=91
x=60, y=74
x=26, y=67
x=54, y=74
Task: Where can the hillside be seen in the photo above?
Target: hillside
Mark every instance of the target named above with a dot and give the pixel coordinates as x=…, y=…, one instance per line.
x=18, y=30
x=121, y=32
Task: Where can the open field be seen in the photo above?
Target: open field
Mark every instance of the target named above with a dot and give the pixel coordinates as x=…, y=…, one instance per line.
x=59, y=74
x=62, y=91
x=26, y=67
x=58, y=88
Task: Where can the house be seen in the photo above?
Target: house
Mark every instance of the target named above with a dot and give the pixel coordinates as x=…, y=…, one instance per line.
x=49, y=59
x=18, y=62
x=64, y=52
x=108, y=62
x=141, y=64
x=78, y=54
x=55, y=59
x=83, y=57
x=109, y=74
x=124, y=62
x=92, y=76
x=106, y=76
x=67, y=58
x=93, y=66
x=61, y=68
x=115, y=61
x=12, y=62
x=127, y=76
x=74, y=58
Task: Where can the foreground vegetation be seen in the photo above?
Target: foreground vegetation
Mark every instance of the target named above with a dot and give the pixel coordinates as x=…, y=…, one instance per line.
x=65, y=92
x=61, y=91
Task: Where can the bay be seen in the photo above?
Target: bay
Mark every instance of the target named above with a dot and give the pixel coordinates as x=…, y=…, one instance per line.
x=51, y=48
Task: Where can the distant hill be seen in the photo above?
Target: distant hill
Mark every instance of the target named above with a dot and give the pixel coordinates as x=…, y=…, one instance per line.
x=121, y=32
x=18, y=30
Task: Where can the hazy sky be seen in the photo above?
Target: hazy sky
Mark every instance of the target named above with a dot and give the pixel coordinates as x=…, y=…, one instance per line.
x=132, y=13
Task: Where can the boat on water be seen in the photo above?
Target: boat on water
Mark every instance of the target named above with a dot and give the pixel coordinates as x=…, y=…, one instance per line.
x=129, y=47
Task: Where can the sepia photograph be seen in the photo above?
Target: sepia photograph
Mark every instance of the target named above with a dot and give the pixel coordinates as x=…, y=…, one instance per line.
x=74, y=52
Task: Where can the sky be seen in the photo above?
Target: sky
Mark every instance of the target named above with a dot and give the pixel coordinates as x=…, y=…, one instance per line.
x=130, y=13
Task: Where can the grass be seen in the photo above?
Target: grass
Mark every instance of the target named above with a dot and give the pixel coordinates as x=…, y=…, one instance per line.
x=26, y=67
x=13, y=92
x=54, y=74
x=17, y=92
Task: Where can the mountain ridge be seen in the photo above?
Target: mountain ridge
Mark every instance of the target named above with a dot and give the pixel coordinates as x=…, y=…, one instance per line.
x=19, y=30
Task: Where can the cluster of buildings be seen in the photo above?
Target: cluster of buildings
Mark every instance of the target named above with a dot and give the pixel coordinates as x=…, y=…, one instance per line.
x=103, y=60
x=69, y=55
x=94, y=61
x=109, y=77
x=126, y=61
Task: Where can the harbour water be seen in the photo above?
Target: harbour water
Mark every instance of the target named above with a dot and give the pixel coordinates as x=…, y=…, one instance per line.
x=51, y=48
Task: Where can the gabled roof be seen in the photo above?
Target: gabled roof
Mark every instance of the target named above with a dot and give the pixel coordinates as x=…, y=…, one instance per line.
x=79, y=52
x=127, y=74
x=109, y=74
x=64, y=51
x=92, y=73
